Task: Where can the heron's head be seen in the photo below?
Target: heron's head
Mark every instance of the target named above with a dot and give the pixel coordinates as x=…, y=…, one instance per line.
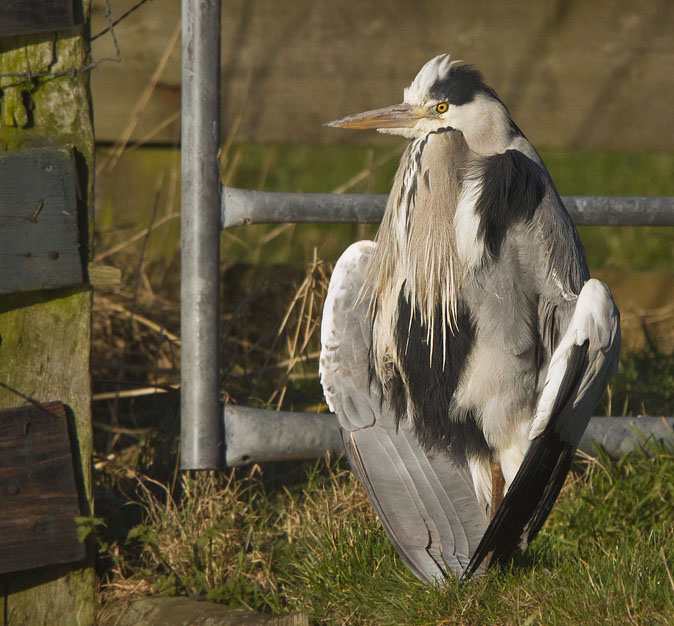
x=444, y=94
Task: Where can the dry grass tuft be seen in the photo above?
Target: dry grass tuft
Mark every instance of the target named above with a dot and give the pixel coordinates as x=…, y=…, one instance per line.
x=219, y=536
x=225, y=536
x=300, y=329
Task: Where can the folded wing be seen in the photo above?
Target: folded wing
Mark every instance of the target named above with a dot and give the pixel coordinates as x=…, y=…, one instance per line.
x=581, y=365
x=426, y=502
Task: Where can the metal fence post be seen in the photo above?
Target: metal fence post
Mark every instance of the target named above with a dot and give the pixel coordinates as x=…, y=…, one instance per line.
x=201, y=425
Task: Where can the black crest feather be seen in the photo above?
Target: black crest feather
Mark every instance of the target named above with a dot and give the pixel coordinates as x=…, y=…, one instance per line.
x=461, y=85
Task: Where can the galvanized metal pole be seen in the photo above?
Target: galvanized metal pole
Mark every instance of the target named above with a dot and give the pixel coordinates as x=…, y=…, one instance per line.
x=260, y=435
x=201, y=426
x=244, y=206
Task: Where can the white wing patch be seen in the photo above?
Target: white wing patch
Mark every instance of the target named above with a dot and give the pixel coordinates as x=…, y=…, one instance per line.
x=345, y=340
x=595, y=320
x=469, y=244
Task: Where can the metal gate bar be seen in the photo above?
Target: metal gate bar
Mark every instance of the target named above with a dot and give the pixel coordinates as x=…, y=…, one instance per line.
x=258, y=435
x=241, y=207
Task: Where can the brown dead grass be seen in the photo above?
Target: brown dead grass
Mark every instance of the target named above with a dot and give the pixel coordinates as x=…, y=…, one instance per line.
x=217, y=524
x=223, y=526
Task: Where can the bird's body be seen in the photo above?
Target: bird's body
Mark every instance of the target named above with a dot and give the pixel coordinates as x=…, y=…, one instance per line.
x=466, y=340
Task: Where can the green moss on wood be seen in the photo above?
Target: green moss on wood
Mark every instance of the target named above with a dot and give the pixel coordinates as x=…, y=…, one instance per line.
x=46, y=111
x=46, y=337
x=51, y=111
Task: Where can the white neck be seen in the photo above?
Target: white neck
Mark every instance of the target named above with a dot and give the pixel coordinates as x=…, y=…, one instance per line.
x=484, y=123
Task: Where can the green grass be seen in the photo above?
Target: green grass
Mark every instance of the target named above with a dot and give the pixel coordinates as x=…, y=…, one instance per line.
x=644, y=383
x=600, y=560
x=605, y=555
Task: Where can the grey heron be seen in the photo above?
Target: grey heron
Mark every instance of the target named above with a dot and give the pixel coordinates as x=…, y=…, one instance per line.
x=465, y=349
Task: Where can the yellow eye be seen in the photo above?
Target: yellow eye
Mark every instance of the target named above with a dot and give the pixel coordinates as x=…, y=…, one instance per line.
x=442, y=107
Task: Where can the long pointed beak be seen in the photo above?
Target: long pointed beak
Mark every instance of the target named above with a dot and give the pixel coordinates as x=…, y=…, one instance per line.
x=396, y=116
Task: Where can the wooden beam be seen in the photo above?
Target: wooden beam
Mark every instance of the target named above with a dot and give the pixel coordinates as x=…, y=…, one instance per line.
x=37, y=519
x=44, y=354
x=22, y=17
x=46, y=335
x=39, y=232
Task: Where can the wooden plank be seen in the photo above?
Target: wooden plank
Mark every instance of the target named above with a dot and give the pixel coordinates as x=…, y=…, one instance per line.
x=39, y=232
x=575, y=75
x=37, y=519
x=22, y=17
x=44, y=354
x=46, y=335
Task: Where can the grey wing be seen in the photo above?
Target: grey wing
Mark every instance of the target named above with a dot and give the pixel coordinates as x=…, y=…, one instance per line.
x=581, y=364
x=425, y=502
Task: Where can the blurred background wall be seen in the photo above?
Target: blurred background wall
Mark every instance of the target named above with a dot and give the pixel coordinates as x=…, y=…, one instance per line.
x=576, y=74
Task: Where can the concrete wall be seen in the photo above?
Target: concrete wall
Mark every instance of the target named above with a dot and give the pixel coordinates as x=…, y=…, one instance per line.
x=577, y=74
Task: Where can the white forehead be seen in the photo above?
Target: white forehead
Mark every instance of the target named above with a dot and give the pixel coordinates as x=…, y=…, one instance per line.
x=435, y=69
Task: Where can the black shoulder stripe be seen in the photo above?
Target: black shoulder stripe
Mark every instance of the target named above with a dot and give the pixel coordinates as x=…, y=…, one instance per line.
x=512, y=188
x=431, y=382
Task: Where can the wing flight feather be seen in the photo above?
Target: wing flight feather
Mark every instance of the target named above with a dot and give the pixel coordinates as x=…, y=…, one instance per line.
x=426, y=502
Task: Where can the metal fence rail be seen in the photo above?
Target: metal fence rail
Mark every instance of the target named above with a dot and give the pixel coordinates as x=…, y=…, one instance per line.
x=241, y=207
x=257, y=436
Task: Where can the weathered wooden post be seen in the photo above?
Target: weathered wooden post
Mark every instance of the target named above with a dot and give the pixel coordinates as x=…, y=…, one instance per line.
x=46, y=201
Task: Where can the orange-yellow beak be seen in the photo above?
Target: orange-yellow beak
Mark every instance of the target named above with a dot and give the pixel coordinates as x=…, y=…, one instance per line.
x=396, y=116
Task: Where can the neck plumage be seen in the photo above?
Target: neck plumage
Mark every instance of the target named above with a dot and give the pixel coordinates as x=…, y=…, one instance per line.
x=416, y=254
